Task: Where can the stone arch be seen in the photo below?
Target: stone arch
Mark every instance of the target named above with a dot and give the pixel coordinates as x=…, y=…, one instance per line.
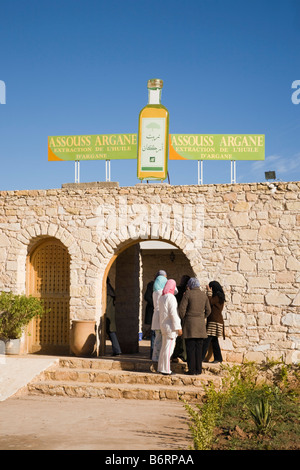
x=183, y=244
x=27, y=238
x=24, y=242
x=36, y=232
x=187, y=246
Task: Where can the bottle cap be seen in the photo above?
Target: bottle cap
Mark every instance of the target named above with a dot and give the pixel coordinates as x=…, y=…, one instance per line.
x=155, y=83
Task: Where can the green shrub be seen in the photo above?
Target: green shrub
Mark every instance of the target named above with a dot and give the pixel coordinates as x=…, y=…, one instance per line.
x=203, y=420
x=257, y=407
x=16, y=311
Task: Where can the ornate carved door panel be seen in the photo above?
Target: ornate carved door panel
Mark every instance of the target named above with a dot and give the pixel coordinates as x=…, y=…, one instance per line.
x=49, y=279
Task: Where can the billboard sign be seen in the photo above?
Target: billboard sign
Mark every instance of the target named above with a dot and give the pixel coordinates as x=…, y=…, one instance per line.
x=181, y=147
x=92, y=147
x=217, y=147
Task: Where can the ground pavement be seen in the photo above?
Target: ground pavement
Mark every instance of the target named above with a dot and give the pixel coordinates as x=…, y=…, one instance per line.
x=55, y=423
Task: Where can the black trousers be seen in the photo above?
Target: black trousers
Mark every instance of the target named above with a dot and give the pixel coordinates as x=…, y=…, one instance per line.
x=194, y=354
x=216, y=348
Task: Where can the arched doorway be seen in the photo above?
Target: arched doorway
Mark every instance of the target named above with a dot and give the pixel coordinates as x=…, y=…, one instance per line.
x=48, y=278
x=129, y=271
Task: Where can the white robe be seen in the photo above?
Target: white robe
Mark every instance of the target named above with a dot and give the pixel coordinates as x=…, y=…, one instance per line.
x=155, y=325
x=169, y=325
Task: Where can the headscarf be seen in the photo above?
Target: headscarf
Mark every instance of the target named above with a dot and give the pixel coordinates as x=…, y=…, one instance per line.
x=161, y=272
x=169, y=287
x=159, y=283
x=217, y=290
x=193, y=283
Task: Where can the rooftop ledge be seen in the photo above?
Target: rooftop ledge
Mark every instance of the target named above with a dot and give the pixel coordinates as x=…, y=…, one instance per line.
x=94, y=184
x=290, y=186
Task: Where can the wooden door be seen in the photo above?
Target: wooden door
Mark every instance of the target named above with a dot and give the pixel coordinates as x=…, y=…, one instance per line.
x=49, y=279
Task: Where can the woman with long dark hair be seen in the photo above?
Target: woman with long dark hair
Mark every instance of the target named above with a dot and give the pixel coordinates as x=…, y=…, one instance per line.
x=215, y=322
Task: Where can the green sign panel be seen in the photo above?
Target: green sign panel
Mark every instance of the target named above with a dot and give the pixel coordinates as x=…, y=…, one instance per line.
x=92, y=147
x=217, y=147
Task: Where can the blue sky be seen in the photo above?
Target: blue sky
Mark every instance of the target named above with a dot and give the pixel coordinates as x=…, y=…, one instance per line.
x=81, y=67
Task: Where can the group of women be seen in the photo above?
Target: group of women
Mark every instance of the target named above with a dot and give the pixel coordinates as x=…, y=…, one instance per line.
x=196, y=317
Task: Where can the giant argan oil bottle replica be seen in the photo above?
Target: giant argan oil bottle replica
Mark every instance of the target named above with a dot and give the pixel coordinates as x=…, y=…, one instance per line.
x=153, y=135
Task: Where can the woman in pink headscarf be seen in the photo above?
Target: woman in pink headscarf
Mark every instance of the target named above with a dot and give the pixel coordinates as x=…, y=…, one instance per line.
x=170, y=326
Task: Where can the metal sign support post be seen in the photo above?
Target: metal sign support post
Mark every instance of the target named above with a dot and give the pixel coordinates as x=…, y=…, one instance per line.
x=233, y=171
x=200, y=171
x=107, y=170
x=77, y=171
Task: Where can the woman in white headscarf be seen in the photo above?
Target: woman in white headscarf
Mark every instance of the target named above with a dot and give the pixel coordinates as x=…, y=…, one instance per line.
x=170, y=326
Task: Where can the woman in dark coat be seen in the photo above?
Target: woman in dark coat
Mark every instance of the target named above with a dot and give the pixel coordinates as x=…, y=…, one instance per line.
x=149, y=305
x=111, y=318
x=215, y=322
x=193, y=310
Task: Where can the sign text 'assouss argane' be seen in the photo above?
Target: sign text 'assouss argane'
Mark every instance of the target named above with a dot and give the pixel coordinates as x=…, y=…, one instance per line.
x=92, y=147
x=217, y=147
x=181, y=147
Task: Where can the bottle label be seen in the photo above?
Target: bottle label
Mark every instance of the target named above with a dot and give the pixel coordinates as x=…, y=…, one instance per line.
x=153, y=144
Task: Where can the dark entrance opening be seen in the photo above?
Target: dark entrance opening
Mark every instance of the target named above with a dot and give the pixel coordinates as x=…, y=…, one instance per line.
x=129, y=275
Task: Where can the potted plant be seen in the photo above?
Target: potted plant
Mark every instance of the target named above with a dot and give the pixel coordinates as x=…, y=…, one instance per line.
x=16, y=311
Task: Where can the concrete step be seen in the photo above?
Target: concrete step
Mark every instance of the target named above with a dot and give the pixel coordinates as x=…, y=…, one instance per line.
x=121, y=378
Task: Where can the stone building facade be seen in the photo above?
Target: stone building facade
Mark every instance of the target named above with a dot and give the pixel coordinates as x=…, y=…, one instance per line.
x=60, y=244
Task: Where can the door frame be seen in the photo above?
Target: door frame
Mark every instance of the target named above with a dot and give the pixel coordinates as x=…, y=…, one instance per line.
x=30, y=288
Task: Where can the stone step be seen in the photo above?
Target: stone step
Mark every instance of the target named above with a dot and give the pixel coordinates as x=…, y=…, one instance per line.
x=121, y=378
x=116, y=376
x=121, y=390
x=136, y=365
x=128, y=364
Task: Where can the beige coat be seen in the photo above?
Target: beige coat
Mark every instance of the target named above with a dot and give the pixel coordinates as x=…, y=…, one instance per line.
x=193, y=310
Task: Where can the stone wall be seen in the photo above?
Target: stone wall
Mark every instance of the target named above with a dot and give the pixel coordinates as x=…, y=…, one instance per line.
x=246, y=236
